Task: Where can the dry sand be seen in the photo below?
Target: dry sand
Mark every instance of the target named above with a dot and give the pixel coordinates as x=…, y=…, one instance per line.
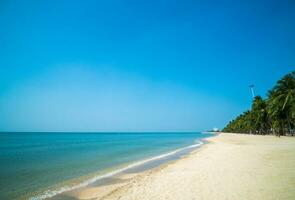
x=231, y=166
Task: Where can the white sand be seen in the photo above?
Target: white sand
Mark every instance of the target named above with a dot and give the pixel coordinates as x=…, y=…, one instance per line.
x=232, y=166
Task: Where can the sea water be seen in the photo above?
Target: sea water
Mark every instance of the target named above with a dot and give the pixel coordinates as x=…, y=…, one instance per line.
x=41, y=165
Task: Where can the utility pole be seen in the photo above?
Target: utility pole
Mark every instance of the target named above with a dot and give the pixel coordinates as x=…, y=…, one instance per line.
x=253, y=96
x=252, y=90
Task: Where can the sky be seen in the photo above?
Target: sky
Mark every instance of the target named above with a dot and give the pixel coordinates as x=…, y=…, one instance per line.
x=120, y=65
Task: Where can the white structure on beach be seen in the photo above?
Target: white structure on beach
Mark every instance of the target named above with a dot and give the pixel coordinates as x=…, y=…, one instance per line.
x=215, y=129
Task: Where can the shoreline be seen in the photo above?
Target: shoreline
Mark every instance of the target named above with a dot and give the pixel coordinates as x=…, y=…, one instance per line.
x=229, y=166
x=158, y=160
x=127, y=172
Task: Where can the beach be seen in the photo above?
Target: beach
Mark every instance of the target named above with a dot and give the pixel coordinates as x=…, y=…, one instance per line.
x=40, y=166
x=230, y=166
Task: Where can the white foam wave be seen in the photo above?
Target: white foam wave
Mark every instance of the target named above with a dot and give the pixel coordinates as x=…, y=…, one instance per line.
x=51, y=193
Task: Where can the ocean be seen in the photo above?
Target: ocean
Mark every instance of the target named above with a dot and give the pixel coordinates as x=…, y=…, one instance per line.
x=37, y=166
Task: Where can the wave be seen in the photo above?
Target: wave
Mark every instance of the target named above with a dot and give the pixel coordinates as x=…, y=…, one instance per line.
x=51, y=193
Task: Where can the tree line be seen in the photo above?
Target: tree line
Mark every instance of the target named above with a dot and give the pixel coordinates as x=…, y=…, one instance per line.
x=273, y=115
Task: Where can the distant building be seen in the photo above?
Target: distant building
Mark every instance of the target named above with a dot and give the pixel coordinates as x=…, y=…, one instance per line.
x=215, y=129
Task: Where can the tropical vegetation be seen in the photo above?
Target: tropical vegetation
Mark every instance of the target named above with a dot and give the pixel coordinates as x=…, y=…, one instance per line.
x=273, y=115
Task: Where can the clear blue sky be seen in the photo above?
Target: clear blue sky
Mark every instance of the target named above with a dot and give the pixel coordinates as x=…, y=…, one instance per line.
x=118, y=65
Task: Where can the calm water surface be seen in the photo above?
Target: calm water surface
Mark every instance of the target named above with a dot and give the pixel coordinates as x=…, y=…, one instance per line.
x=31, y=163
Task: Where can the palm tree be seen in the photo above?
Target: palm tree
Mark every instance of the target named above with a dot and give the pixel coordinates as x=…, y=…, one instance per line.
x=281, y=104
x=275, y=115
x=260, y=116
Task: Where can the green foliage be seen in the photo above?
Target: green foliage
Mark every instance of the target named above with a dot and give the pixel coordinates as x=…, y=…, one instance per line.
x=275, y=115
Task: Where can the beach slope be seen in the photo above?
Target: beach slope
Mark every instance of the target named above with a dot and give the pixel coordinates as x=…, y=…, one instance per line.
x=231, y=166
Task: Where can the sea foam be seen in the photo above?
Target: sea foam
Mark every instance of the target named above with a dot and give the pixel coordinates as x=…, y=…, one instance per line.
x=51, y=193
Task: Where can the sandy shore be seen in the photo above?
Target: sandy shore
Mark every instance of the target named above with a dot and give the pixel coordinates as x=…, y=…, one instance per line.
x=231, y=166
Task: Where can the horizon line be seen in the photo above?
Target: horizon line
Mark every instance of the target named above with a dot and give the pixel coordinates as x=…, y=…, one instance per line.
x=102, y=131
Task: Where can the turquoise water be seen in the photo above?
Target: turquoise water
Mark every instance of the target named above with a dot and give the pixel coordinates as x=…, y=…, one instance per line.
x=32, y=163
